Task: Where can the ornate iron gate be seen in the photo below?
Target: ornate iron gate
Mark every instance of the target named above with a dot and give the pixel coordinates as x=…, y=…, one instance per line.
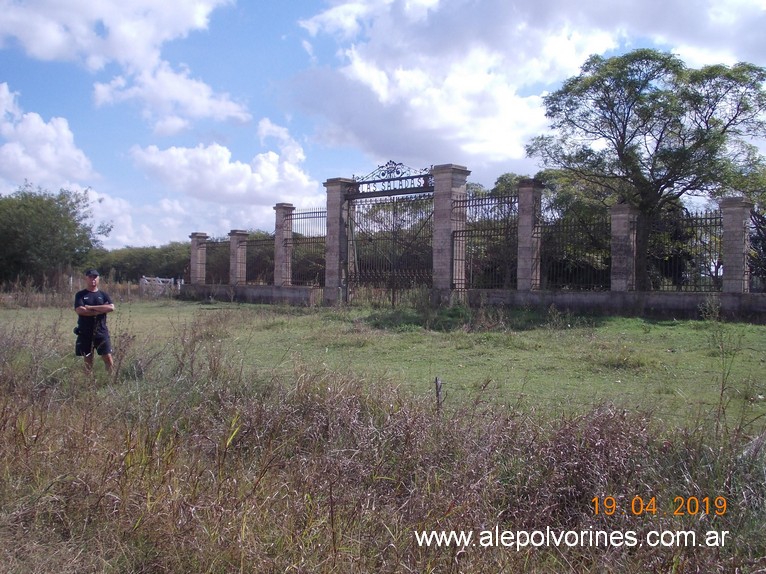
x=390, y=238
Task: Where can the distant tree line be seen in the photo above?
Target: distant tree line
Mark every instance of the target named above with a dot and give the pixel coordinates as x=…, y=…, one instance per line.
x=131, y=263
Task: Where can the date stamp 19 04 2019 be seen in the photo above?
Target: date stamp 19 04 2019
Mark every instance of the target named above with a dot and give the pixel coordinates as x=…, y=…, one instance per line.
x=640, y=506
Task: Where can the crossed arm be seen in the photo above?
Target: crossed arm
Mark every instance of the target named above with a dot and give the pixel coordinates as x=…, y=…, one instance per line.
x=93, y=310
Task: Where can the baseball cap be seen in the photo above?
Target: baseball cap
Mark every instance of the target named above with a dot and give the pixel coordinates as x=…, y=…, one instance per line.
x=91, y=273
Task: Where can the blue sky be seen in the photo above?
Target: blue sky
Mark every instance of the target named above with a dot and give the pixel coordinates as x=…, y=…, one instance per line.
x=200, y=115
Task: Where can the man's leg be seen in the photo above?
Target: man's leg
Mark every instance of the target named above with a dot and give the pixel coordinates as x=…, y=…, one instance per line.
x=84, y=349
x=103, y=345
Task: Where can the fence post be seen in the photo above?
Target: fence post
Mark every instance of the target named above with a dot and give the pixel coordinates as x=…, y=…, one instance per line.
x=448, y=270
x=735, y=212
x=198, y=260
x=336, y=242
x=237, y=257
x=623, y=250
x=283, y=246
x=439, y=398
x=528, y=270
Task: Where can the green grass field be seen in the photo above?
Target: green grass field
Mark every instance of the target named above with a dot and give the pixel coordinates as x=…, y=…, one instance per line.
x=245, y=438
x=551, y=362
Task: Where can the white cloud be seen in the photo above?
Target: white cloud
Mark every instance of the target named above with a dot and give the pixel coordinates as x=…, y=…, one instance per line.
x=36, y=150
x=345, y=19
x=165, y=220
x=170, y=98
x=130, y=34
x=461, y=81
x=208, y=172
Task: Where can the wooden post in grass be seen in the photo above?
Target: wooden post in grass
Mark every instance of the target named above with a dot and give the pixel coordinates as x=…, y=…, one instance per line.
x=439, y=400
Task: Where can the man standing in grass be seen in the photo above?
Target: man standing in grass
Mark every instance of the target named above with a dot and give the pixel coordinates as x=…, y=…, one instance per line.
x=91, y=306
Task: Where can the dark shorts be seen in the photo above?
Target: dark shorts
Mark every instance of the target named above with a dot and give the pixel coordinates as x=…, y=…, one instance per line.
x=86, y=342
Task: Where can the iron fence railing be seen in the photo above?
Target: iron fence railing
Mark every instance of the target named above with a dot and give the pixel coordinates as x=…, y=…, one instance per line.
x=390, y=247
x=260, y=261
x=685, y=252
x=575, y=253
x=217, y=261
x=390, y=243
x=486, y=247
x=307, y=245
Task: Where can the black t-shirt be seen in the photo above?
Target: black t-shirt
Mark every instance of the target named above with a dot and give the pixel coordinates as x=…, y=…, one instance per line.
x=97, y=323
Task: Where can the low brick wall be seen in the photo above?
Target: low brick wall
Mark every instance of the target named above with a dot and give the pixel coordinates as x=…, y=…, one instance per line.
x=270, y=294
x=660, y=304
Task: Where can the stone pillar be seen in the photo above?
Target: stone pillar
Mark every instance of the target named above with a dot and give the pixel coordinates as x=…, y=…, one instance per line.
x=283, y=244
x=336, y=242
x=448, y=271
x=237, y=257
x=198, y=263
x=623, y=221
x=528, y=270
x=736, y=244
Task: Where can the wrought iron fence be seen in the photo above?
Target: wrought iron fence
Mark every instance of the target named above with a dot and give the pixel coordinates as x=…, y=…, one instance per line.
x=390, y=248
x=390, y=243
x=486, y=250
x=260, y=260
x=307, y=244
x=575, y=252
x=757, y=256
x=685, y=252
x=217, y=261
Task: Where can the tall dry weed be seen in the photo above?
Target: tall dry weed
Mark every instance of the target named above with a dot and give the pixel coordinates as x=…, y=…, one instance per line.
x=203, y=464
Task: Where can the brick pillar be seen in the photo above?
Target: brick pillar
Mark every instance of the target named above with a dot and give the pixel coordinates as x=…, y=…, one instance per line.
x=283, y=244
x=336, y=242
x=237, y=257
x=623, y=273
x=198, y=263
x=448, y=271
x=736, y=244
x=528, y=270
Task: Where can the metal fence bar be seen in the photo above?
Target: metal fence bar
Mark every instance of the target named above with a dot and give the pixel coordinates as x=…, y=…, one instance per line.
x=260, y=261
x=575, y=253
x=307, y=245
x=390, y=244
x=489, y=242
x=685, y=252
x=217, y=265
x=757, y=256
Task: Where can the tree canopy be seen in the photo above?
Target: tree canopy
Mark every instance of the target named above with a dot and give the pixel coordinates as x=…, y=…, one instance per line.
x=646, y=130
x=44, y=233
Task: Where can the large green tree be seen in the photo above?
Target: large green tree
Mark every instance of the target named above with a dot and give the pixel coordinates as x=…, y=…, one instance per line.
x=646, y=130
x=43, y=234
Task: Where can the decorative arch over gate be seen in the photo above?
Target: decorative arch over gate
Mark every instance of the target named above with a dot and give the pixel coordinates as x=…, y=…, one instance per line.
x=391, y=179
